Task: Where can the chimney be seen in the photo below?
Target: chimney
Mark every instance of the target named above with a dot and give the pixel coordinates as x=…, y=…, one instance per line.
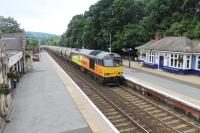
x=158, y=36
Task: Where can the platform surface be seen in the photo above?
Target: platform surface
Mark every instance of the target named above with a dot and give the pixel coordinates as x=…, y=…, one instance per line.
x=178, y=89
x=42, y=104
x=189, y=79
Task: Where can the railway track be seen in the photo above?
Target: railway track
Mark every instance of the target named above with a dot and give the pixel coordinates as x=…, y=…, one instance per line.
x=126, y=110
x=170, y=119
x=119, y=119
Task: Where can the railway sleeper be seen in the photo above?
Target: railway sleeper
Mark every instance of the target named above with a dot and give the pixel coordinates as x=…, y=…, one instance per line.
x=146, y=106
x=151, y=108
x=143, y=103
x=165, y=118
x=113, y=115
x=155, y=111
x=106, y=106
x=119, y=125
x=178, y=127
x=119, y=120
x=138, y=101
x=191, y=130
x=159, y=115
x=129, y=129
x=173, y=123
x=111, y=118
x=112, y=112
x=104, y=109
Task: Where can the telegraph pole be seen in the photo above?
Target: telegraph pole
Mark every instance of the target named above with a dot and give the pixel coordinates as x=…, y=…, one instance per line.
x=110, y=43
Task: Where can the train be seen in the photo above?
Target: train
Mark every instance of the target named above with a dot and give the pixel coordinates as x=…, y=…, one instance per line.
x=104, y=66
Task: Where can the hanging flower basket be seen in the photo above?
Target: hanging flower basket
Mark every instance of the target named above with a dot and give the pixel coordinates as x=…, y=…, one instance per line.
x=138, y=53
x=4, y=89
x=143, y=54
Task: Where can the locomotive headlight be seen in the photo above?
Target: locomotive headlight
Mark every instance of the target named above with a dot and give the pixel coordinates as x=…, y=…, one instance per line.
x=120, y=73
x=106, y=74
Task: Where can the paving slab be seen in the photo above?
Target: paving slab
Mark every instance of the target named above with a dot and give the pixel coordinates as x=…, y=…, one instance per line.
x=42, y=104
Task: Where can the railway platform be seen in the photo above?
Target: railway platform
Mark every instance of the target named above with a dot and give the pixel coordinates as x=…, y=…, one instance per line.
x=189, y=79
x=48, y=101
x=184, y=95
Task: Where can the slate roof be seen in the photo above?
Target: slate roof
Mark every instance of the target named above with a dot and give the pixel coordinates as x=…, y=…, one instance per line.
x=174, y=44
x=13, y=41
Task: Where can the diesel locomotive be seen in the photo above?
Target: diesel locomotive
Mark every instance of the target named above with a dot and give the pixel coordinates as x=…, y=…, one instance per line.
x=104, y=66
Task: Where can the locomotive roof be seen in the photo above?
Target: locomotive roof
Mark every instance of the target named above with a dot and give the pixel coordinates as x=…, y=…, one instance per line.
x=96, y=53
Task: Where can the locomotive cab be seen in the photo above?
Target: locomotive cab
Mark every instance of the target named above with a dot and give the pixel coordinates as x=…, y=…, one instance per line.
x=113, y=69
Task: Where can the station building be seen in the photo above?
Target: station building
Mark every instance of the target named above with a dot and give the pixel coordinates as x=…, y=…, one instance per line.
x=15, y=48
x=13, y=58
x=172, y=54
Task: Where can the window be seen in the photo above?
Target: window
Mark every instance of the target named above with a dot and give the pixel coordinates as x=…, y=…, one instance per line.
x=175, y=60
x=108, y=62
x=117, y=62
x=188, y=62
x=113, y=62
x=100, y=62
x=149, y=57
x=198, y=62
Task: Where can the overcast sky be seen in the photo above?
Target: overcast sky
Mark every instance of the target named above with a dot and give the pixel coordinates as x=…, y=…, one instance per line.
x=50, y=16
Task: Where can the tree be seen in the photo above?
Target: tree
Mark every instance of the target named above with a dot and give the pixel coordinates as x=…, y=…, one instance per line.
x=132, y=23
x=32, y=42
x=54, y=41
x=9, y=25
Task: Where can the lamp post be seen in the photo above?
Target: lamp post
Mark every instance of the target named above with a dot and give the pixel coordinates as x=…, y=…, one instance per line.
x=110, y=43
x=129, y=55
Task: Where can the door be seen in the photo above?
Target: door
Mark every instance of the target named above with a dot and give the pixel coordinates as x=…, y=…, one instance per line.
x=161, y=61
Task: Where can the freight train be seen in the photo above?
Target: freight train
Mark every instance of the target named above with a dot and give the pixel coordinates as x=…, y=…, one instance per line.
x=104, y=66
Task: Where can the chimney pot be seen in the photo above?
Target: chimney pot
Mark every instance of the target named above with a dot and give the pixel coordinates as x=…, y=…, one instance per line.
x=158, y=36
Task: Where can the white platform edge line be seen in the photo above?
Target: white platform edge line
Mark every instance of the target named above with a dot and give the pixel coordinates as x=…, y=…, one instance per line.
x=165, y=94
x=93, y=105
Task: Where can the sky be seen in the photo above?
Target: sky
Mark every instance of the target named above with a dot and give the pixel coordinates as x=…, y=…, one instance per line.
x=49, y=16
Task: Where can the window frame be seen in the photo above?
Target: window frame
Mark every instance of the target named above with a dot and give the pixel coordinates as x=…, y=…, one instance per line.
x=186, y=61
x=149, y=57
x=174, y=61
x=198, y=62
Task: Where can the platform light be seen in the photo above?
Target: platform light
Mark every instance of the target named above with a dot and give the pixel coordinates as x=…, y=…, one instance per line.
x=129, y=54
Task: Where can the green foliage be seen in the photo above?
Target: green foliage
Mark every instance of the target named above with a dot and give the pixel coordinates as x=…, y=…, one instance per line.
x=9, y=25
x=45, y=39
x=4, y=89
x=53, y=41
x=132, y=23
x=32, y=42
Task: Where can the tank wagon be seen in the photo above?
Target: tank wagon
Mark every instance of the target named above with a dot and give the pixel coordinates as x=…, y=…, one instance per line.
x=104, y=66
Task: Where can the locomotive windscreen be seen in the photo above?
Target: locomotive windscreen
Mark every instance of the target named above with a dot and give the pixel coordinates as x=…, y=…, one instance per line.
x=113, y=62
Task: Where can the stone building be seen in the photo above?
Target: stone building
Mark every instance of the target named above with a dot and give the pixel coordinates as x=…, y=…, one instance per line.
x=15, y=45
x=5, y=96
x=13, y=58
